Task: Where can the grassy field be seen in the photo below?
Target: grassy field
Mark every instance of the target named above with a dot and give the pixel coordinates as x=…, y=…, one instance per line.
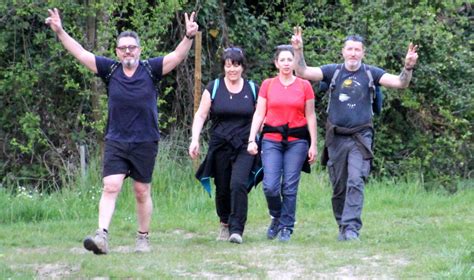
x=407, y=233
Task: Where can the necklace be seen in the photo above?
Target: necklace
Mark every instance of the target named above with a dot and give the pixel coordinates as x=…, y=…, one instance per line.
x=231, y=93
x=287, y=82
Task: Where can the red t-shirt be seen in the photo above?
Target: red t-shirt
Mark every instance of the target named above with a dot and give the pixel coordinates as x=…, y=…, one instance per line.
x=285, y=104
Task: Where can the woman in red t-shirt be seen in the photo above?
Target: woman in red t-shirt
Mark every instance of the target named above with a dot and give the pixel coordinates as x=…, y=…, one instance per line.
x=286, y=107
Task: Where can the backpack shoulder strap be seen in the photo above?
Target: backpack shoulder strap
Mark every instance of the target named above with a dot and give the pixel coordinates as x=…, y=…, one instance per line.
x=332, y=85
x=371, y=81
x=369, y=74
x=376, y=94
x=148, y=69
x=214, y=89
x=252, y=86
x=112, y=69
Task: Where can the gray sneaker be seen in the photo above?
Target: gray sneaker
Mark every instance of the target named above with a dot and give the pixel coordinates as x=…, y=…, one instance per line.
x=142, y=243
x=235, y=238
x=223, y=232
x=98, y=244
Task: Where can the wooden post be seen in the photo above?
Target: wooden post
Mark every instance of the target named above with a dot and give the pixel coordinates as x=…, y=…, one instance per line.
x=197, y=79
x=82, y=156
x=197, y=70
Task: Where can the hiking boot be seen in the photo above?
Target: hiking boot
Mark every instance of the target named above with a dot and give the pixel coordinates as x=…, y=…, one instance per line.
x=273, y=229
x=98, y=244
x=285, y=235
x=351, y=235
x=223, y=232
x=235, y=238
x=142, y=243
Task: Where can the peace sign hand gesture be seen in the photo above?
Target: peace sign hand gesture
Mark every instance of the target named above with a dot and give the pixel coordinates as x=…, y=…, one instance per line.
x=54, y=20
x=411, y=57
x=297, y=38
x=191, y=25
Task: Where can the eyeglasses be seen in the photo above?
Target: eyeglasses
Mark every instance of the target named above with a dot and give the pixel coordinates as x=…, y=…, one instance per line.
x=233, y=49
x=131, y=48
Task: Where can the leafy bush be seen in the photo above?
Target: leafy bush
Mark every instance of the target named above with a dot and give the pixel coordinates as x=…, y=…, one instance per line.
x=50, y=104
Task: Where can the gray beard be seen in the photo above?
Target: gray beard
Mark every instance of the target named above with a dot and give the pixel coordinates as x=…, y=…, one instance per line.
x=129, y=63
x=353, y=67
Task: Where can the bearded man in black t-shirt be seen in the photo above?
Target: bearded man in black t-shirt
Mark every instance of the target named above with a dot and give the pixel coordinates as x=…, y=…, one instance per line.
x=132, y=134
x=349, y=128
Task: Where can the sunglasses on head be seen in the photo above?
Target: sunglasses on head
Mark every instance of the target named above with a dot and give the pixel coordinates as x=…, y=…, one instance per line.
x=284, y=47
x=233, y=49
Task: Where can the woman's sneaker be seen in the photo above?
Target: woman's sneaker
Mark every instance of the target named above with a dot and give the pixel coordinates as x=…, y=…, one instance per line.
x=223, y=232
x=235, y=238
x=272, y=230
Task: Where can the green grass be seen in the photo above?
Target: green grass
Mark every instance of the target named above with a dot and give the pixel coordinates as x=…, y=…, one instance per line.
x=407, y=233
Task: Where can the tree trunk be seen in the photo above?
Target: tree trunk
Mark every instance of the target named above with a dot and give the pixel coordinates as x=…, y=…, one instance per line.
x=91, y=44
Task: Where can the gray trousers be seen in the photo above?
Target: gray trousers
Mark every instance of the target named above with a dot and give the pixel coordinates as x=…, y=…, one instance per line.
x=348, y=171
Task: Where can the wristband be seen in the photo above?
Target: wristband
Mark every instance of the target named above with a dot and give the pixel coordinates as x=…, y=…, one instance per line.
x=408, y=69
x=250, y=141
x=189, y=37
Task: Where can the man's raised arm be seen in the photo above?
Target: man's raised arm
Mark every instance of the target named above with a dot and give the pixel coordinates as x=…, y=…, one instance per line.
x=402, y=80
x=85, y=57
x=171, y=60
x=302, y=70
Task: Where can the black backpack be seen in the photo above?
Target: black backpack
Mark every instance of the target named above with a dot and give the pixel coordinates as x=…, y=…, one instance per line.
x=375, y=91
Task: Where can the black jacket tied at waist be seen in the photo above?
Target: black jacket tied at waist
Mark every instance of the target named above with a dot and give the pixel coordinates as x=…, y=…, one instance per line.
x=300, y=132
x=355, y=133
x=237, y=142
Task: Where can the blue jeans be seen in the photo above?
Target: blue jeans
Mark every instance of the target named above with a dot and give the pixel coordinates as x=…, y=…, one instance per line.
x=282, y=171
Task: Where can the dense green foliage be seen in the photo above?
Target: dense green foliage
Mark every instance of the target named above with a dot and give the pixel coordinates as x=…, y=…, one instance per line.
x=49, y=104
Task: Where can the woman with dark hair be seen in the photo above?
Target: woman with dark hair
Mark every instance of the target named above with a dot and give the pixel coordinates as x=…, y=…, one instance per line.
x=230, y=101
x=286, y=106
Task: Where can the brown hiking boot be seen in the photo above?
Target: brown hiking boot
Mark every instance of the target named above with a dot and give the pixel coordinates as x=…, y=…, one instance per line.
x=98, y=244
x=223, y=232
x=142, y=243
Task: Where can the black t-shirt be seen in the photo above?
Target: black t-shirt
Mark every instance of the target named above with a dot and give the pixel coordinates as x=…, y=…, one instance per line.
x=350, y=103
x=232, y=113
x=132, y=102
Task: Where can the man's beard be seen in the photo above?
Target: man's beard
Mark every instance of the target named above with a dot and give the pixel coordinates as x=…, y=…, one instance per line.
x=354, y=64
x=129, y=62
